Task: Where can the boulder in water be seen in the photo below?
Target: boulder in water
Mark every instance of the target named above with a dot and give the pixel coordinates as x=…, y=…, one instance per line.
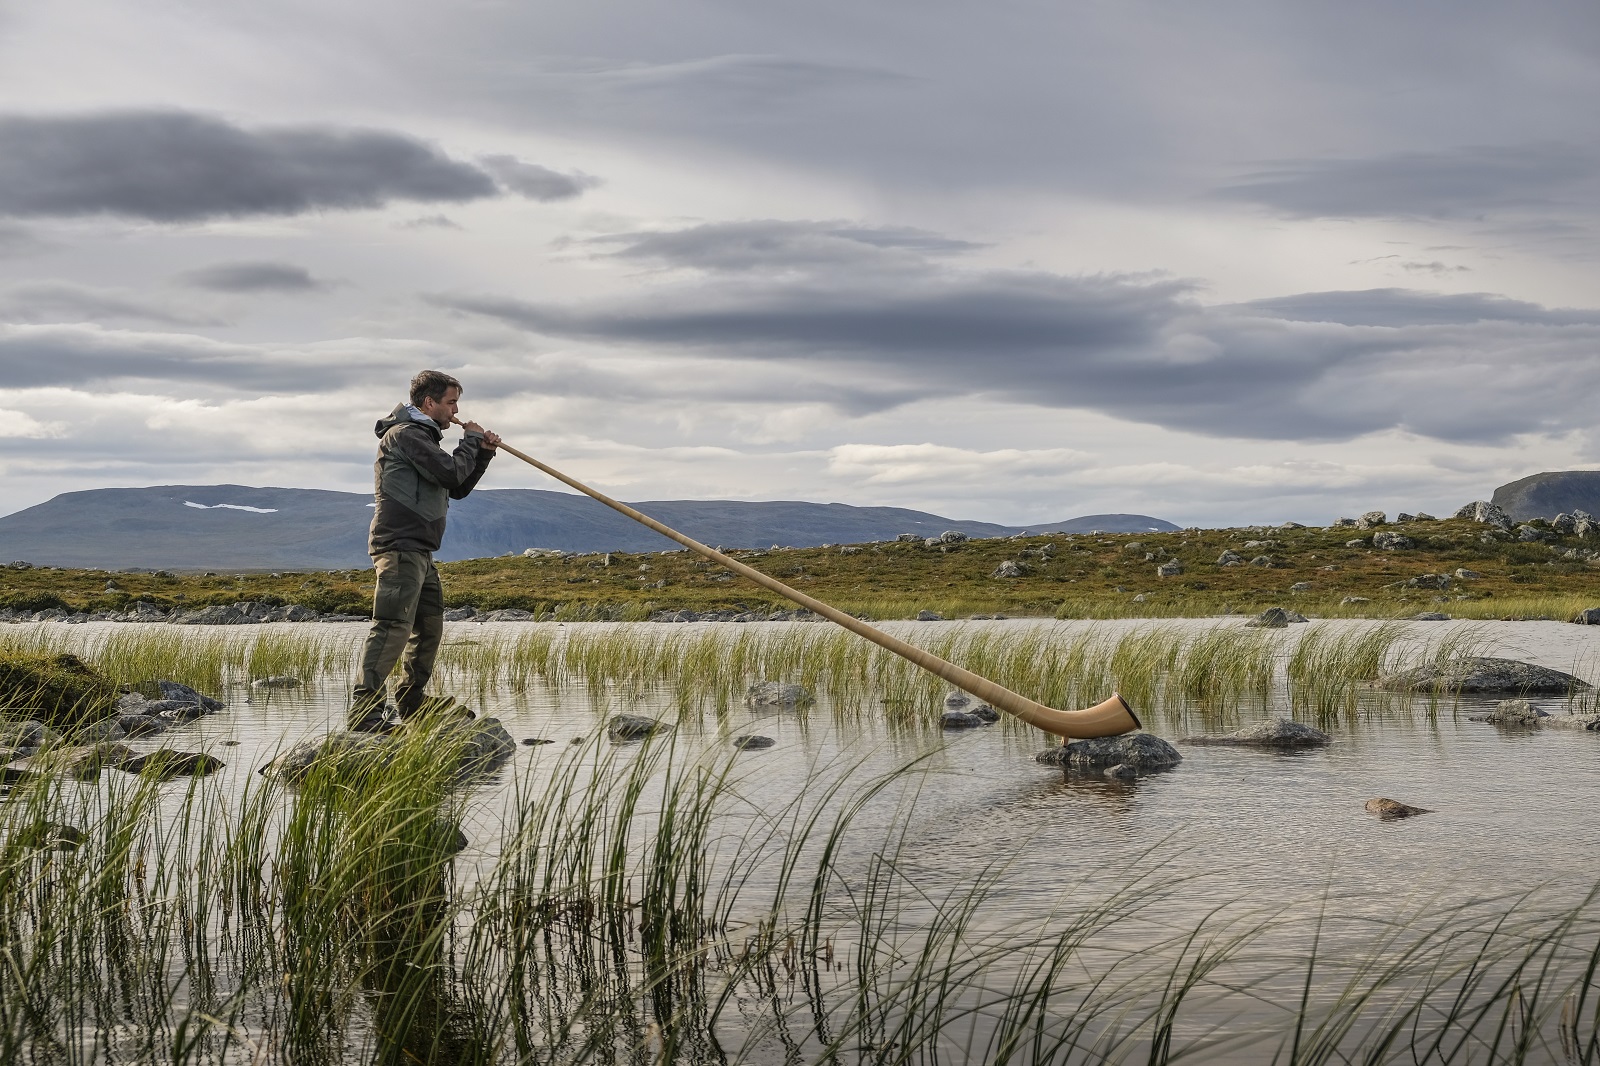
x=777, y=694
x=1476, y=673
x=751, y=742
x=1141, y=752
x=166, y=764
x=1388, y=809
x=475, y=746
x=1276, y=733
x=624, y=727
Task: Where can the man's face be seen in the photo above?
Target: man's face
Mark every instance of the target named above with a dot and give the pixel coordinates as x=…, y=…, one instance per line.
x=441, y=411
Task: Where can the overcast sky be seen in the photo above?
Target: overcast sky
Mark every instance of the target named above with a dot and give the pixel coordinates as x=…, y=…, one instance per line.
x=1223, y=263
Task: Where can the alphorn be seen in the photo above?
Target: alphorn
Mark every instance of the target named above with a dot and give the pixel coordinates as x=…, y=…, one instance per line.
x=1109, y=718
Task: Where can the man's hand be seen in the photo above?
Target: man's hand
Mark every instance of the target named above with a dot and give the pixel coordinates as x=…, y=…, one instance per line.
x=491, y=439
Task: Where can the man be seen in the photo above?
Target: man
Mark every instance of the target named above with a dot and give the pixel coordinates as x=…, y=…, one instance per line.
x=414, y=481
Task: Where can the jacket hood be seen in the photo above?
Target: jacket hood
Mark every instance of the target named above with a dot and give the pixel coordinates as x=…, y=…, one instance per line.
x=402, y=415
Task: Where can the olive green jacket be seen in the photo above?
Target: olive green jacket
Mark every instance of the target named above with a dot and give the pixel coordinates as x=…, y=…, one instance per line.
x=414, y=481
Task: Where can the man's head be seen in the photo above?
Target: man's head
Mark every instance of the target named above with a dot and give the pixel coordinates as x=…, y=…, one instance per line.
x=435, y=393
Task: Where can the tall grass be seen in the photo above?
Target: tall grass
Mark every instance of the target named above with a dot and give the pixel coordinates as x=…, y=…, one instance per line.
x=642, y=904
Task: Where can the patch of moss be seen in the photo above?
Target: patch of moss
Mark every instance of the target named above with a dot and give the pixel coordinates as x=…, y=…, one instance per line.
x=61, y=690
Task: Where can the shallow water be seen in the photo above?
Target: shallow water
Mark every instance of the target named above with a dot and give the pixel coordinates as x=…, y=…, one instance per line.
x=1251, y=832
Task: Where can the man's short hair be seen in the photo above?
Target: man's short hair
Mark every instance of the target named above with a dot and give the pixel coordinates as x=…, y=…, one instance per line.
x=432, y=384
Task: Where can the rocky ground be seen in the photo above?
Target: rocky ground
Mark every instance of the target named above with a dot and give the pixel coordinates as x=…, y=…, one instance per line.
x=1475, y=563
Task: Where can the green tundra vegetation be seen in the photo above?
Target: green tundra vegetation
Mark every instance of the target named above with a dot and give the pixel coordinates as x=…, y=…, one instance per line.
x=1329, y=572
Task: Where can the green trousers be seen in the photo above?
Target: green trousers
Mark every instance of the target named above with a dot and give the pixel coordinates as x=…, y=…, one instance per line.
x=407, y=625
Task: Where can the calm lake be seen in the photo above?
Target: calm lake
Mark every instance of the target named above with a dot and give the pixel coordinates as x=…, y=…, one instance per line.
x=1268, y=851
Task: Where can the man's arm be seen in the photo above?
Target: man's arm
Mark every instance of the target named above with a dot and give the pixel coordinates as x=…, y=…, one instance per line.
x=457, y=471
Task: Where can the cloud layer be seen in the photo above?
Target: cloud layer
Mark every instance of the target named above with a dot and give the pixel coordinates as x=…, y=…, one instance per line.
x=180, y=166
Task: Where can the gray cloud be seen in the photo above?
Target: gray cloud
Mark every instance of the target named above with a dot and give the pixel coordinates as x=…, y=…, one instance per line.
x=74, y=356
x=535, y=182
x=16, y=241
x=1408, y=307
x=781, y=245
x=1450, y=183
x=176, y=166
x=62, y=301
x=257, y=276
x=1316, y=366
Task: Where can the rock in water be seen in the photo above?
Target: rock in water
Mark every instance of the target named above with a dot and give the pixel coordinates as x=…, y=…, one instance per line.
x=1513, y=712
x=621, y=727
x=776, y=694
x=751, y=742
x=476, y=746
x=1277, y=733
x=1140, y=752
x=1271, y=618
x=167, y=764
x=1482, y=674
x=960, y=720
x=1387, y=809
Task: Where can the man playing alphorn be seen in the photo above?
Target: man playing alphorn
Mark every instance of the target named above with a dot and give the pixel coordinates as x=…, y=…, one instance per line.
x=414, y=481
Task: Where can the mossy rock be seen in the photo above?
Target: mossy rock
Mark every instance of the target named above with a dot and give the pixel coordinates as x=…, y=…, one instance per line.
x=61, y=690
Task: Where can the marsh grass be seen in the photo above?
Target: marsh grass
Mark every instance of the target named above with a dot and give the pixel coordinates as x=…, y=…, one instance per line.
x=640, y=904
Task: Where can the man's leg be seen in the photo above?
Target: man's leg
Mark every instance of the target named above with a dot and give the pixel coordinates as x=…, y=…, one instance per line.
x=401, y=576
x=427, y=630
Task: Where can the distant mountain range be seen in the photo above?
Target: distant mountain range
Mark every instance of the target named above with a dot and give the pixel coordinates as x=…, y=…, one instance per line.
x=237, y=527
x=1549, y=494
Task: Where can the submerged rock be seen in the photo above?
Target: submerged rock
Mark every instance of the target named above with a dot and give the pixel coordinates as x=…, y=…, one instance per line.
x=1141, y=752
x=276, y=681
x=960, y=720
x=1477, y=673
x=777, y=694
x=1276, y=733
x=1387, y=808
x=167, y=764
x=750, y=742
x=961, y=701
x=49, y=836
x=475, y=746
x=1512, y=712
x=621, y=727
x=82, y=762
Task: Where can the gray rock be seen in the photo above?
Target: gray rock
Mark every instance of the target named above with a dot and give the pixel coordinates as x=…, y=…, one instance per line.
x=1265, y=562
x=675, y=616
x=131, y=703
x=1229, y=557
x=908, y=537
x=175, y=710
x=509, y=614
x=1357, y=543
x=26, y=736
x=1141, y=752
x=1470, y=674
x=143, y=612
x=959, y=720
x=1170, y=568
x=1371, y=520
x=1423, y=516
x=1120, y=772
x=933, y=542
x=1428, y=616
x=165, y=764
x=141, y=725
x=1354, y=599
x=109, y=729
x=1271, y=618
x=276, y=681
x=289, y=612
x=751, y=742
x=1009, y=568
x=215, y=615
x=82, y=762
x=1587, y=722
x=1300, y=586
x=1485, y=512
x=1385, y=540
x=953, y=536
x=1343, y=523
x=1402, y=518
x=777, y=694
x=477, y=746
x=1388, y=809
x=1513, y=712
x=1532, y=534
x=1589, y=616
x=621, y=727
x=1563, y=523
x=1276, y=733
x=1463, y=574
x=929, y=616
x=461, y=614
